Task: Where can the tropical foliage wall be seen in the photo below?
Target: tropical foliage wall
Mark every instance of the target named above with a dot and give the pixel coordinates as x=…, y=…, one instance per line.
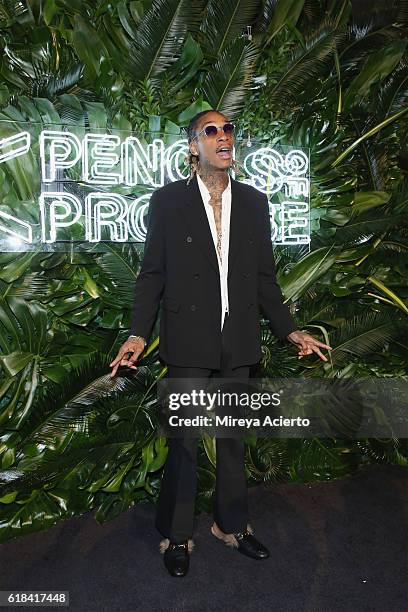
x=310, y=73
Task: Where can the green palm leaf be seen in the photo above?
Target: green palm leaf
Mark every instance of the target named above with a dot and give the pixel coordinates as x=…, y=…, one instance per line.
x=40, y=511
x=371, y=132
x=306, y=272
x=268, y=460
x=379, y=450
x=363, y=334
x=358, y=232
x=120, y=263
x=76, y=478
x=393, y=93
x=14, y=10
x=363, y=38
x=225, y=21
x=317, y=458
x=278, y=14
x=225, y=86
x=377, y=66
x=278, y=361
x=160, y=37
x=306, y=64
x=378, y=164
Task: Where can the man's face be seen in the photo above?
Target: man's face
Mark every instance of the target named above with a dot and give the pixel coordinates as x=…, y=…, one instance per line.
x=208, y=147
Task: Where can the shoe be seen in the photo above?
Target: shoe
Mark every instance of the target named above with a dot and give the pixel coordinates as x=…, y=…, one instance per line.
x=176, y=556
x=243, y=541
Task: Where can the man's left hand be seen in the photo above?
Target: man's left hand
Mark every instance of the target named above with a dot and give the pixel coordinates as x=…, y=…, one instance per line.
x=307, y=344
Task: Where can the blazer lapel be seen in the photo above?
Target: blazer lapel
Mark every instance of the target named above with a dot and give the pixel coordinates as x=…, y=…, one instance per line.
x=237, y=223
x=196, y=219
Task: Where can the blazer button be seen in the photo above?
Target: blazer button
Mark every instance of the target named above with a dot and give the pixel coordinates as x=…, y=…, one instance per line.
x=196, y=276
x=246, y=275
x=189, y=239
x=251, y=241
x=192, y=307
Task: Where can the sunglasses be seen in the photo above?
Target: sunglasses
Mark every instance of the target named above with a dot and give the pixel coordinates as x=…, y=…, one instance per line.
x=212, y=130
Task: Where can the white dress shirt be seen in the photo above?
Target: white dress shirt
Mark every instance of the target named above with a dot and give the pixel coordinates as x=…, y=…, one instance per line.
x=225, y=228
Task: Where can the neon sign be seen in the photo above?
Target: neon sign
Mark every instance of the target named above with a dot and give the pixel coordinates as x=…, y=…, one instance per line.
x=103, y=167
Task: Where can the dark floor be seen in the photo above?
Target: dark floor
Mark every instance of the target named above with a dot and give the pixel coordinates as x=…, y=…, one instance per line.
x=336, y=546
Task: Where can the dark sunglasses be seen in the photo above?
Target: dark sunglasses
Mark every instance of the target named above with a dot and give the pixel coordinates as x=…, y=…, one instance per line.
x=212, y=130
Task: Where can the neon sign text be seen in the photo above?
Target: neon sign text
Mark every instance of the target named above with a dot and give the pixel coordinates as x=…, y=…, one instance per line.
x=102, y=164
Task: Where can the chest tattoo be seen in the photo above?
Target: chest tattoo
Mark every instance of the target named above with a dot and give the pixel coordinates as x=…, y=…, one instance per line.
x=216, y=203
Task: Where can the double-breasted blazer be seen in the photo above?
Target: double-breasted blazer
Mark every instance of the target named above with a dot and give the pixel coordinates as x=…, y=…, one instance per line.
x=179, y=273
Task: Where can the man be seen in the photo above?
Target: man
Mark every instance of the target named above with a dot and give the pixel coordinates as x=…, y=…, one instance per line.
x=208, y=256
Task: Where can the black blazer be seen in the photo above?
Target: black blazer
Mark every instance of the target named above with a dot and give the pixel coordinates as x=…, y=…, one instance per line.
x=180, y=268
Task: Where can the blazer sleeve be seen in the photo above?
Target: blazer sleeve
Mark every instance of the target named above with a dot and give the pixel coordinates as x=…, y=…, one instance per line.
x=269, y=294
x=150, y=282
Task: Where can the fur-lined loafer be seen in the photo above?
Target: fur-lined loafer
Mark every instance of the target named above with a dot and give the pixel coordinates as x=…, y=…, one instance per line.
x=244, y=542
x=176, y=556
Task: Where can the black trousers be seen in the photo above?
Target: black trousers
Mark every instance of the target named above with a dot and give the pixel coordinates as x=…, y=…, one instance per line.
x=175, y=510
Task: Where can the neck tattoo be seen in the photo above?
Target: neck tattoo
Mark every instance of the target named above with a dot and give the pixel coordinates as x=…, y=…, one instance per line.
x=216, y=183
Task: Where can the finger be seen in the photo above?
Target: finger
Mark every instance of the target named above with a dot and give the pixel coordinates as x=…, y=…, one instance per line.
x=113, y=373
x=326, y=346
x=123, y=362
x=115, y=361
x=134, y=357
x=119, y=356
x=318, y=352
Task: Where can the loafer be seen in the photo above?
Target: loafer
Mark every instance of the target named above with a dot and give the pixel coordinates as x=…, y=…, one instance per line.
x=176, y=556
x=243, y=541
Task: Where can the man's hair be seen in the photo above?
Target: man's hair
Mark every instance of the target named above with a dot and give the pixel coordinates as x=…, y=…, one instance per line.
x=191, y=128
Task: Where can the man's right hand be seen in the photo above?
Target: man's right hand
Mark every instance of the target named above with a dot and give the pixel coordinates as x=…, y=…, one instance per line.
x=133, y=347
